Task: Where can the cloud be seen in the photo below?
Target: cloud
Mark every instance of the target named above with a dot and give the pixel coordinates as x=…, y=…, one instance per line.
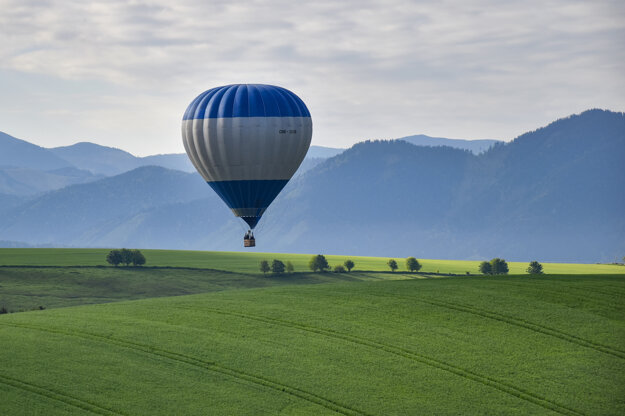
x=366, y=68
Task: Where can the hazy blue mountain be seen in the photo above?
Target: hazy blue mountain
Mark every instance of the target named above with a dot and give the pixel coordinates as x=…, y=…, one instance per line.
x=176, y=161
x=24, y=181
x=323, y=152
x=21, y=154
x=554, y=194
x=111, y=161
x=82, y=214
x=97, y=159
x=10, y=201
x=475, y=146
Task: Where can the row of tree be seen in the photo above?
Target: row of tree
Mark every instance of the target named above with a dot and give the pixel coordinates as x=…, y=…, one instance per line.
x=125, y=256
x=319, y=263
x=499, y=266
x=276, y=267
x=412, y=264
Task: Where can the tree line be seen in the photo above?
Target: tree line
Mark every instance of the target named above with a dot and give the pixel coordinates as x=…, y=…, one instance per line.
x=319, y=263
x=125, y=256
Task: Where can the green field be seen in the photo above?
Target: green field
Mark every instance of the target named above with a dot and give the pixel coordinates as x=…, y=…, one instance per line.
x=304, y=344
x=248, y=262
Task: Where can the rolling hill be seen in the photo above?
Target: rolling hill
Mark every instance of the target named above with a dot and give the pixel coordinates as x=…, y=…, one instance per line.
x=464, y=345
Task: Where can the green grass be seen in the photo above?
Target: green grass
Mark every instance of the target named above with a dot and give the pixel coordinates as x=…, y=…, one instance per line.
x=28, y=288
x=248, y=262
x=465, y=345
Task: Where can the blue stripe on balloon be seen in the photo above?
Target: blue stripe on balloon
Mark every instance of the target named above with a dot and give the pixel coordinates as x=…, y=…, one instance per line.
x=248, y=194
x=246, y=100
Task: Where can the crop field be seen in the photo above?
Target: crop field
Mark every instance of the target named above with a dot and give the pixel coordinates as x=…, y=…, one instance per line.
x=248, y=262
x=195, y=341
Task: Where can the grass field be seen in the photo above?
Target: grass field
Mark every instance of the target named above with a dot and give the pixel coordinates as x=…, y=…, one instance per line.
x=248, y=262
x=195, y=336
x=28, y=288
x=470, y=345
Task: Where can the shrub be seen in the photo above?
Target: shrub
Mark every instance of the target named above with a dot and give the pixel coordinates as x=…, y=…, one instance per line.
x=499, y=266
x=339, y=269
x=392, y=264
x=114, y=257
x=3, y=310
x=413, y=264
x=535, y=268
x=289, y=267
x=277, y=266
x=319, y=263
x=264, y=266
x=138, y=259
x=486, y=268
x=126, y=256
x=349, y=265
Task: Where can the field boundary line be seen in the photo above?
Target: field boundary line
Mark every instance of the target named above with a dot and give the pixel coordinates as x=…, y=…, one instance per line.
x=532, y=326
x=606, y=349
x=207, y=365
x=414, y=356
x=591, y=299
x=60, y=397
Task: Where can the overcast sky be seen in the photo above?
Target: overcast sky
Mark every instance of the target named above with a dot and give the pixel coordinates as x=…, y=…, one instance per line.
x=121, y=73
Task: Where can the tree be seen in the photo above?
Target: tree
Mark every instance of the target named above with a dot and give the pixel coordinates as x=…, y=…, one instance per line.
x=138, y=259
x=535, y=268
x=349, y=265
x=289, y=267
x=499, y=266
x=486, y=268
x=413, y=264
x=392, y=264
x=339, y=268
x=318, y=262
x=114, y=257
x=126, y=256
x=264, y=266
x=277, y=266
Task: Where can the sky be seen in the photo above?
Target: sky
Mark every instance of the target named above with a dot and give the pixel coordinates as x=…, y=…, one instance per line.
x=121, y=73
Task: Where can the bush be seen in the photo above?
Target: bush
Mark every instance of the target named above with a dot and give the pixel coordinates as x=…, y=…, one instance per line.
x=339, y=269
x=3, y=310
x=319, y=263
x=499, y=266
x=413, y=264
x=138, y=259
x=277, y=266
x=486, y=268
x=535, y=268
x=114, y=257
x=349, y=265
x=392, y=264
x=264, y=266
x=289, y=267
x=126, y=256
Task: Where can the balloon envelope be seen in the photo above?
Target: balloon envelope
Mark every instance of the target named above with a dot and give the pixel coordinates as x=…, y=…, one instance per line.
x=247, y=141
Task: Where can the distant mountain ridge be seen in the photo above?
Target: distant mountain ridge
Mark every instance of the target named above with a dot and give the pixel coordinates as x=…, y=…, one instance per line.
x=22, y=154
x=553, y=194
x=476, y=146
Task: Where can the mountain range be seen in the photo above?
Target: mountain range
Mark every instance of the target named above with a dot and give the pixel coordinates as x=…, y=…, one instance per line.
x=553, y=194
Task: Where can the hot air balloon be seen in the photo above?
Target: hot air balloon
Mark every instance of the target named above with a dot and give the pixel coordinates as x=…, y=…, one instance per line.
x=247, y=141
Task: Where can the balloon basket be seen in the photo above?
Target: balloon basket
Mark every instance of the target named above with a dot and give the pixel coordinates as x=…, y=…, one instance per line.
x=249, y=242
